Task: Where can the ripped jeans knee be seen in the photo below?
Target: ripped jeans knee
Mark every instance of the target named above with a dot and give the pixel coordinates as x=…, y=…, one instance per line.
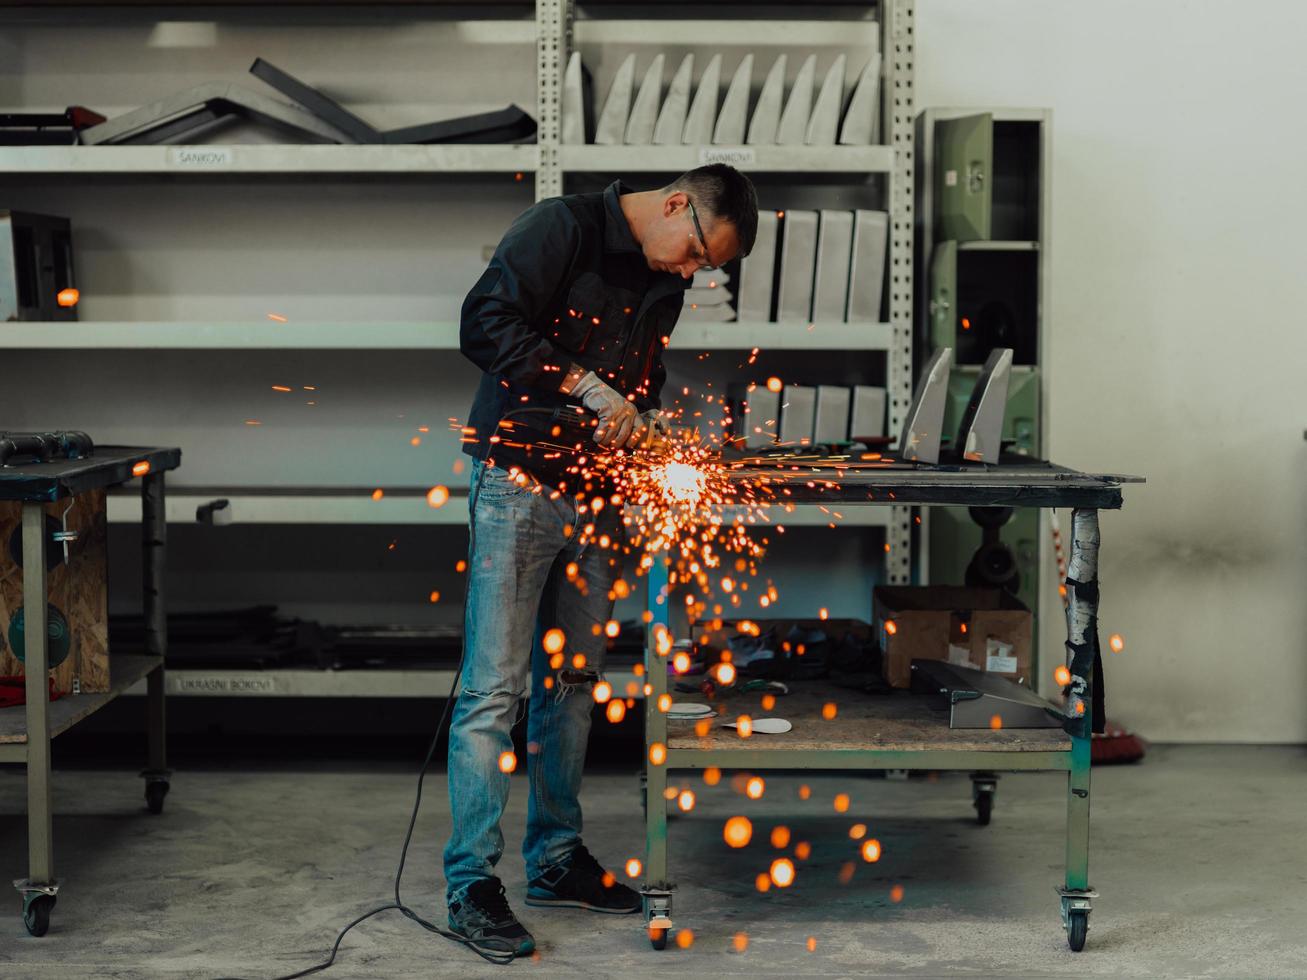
x=570, y=680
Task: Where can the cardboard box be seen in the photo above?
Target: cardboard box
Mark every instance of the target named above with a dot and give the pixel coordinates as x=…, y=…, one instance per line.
x=988, y=629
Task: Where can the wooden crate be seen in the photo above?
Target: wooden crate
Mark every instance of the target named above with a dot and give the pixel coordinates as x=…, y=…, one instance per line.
x=79, y=590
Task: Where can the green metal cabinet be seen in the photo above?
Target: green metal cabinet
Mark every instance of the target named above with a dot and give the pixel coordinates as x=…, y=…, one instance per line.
x=963, y=172
x=944, y=295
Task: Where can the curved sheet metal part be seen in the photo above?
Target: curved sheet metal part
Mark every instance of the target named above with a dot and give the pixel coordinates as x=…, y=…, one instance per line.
x=671, y=117
x=825, y=118
x=611, y=128
x=767, y=113
x=644, y=113
x=860, y=127
x=980, y=435
x=703, y=110
x=921, y=429
x=729, y=130
x=793, y=127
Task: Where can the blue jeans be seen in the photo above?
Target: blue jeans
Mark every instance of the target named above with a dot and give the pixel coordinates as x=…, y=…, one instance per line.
x=518, y=588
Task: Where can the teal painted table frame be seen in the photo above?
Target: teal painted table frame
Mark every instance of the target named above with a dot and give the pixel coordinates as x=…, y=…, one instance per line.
x=987, y=752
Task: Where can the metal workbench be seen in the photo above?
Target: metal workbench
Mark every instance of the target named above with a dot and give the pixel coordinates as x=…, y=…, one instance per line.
x=900, y=731
x=26, y=731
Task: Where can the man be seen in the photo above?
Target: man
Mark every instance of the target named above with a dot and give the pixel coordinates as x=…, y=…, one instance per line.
x=574, y=309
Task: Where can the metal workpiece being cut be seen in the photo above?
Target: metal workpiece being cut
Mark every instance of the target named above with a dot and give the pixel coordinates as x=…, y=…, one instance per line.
x=980, y=436
x=925, y=419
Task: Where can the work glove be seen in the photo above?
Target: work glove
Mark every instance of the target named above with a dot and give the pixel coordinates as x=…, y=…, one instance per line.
x=617, y=416
x=651, y=433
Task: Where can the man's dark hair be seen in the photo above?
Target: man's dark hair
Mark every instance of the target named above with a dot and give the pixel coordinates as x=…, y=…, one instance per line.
x=727, y=195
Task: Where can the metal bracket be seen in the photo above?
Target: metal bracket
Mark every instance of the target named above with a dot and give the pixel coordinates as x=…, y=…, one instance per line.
x=1075, y=900
x=156, y=775
x=657, y=907
x=28, y=888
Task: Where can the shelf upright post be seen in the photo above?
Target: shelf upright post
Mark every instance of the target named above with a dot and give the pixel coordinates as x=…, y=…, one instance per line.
x=553, y=42
x=897, y=112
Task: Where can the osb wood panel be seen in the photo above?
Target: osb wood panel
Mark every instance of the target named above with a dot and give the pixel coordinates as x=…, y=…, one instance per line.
x=900, y=721
x=79, y=590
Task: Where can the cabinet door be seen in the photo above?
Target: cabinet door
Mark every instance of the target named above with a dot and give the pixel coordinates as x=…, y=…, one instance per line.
x=943, y=295
x=964, y=155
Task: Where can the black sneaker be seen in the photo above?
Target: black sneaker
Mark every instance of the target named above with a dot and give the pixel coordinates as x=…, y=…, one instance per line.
x=582, y=884
x=484, y=919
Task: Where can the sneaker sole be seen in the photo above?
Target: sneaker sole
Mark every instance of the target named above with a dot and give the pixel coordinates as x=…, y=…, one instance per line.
x=572, y=903
x=524, y=948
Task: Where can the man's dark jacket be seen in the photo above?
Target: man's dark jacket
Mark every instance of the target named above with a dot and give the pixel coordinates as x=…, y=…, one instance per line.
x=567, y=284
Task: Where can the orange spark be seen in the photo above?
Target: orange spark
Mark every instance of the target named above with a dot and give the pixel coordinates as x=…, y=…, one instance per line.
x=737, y=832
x=782, y=872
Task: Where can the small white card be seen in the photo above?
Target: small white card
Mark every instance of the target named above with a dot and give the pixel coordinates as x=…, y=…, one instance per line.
x=999, y=658
x=742, y=156
x=200, y=157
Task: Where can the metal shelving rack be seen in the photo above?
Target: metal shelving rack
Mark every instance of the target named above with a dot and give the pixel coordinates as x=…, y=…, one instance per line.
x=554, y=30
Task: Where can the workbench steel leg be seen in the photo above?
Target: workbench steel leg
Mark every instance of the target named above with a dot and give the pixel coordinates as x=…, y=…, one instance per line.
x=657, y=889
x=154, y=541
x=40, y=843
x=1082, y=645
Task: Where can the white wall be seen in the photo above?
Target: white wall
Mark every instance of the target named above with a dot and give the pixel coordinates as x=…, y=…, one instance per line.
x=1175, y=346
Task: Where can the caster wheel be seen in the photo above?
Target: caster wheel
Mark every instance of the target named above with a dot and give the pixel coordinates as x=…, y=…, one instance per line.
x=1077, y=928
x=36, y=914
x=154, y=794
x=658, y=938
x=984, y=808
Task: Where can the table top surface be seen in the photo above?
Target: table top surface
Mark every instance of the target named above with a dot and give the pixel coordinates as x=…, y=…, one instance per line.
x=105, y=467
x=1015, y=481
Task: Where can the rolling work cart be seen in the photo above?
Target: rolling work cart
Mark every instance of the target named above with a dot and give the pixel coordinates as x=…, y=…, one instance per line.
x=901, y=731
x=25, y=732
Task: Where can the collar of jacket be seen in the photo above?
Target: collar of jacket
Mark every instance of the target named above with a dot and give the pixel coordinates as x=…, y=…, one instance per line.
x=617, y=230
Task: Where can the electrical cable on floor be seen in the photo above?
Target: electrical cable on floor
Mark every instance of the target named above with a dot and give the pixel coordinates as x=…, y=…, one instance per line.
x=500, y=959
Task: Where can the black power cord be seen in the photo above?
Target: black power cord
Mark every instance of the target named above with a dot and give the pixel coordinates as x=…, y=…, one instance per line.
x=500, y=959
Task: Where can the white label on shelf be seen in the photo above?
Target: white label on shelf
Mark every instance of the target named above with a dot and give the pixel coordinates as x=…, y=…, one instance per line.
x=738, y=156
x=200, y=157
x=199, y=684
x=999, y=658
x=959, y=656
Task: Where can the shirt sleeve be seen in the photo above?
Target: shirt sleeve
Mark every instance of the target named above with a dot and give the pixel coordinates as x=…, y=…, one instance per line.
x=498, y=325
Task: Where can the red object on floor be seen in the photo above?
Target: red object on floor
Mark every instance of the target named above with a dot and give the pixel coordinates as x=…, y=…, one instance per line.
x=13, y=691
x=1115, y=745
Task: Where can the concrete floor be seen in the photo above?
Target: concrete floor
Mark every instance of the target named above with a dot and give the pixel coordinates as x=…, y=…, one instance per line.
x=1198, y=853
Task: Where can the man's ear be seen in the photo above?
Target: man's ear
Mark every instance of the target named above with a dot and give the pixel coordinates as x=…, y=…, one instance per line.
x=675, y=202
